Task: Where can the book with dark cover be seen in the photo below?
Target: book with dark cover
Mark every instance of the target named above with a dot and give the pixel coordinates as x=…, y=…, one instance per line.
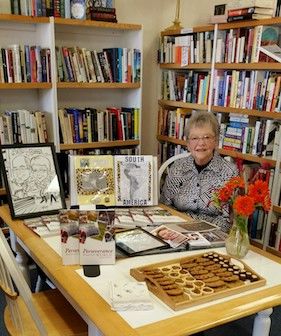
x=248, y=16
x=112, y=56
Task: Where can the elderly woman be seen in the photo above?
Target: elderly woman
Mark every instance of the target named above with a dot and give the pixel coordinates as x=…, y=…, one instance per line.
x=192, y=180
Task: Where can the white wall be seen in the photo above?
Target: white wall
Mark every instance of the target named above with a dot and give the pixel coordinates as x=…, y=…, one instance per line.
x=156, y=15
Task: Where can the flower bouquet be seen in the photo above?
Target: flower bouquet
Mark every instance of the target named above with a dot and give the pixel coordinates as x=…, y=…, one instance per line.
x=241, y=200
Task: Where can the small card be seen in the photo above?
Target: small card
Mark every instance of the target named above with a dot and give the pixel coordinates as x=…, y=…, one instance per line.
x=130, y=295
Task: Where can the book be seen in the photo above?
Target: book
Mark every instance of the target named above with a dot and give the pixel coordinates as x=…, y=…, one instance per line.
x=96, y=242
x=147, y=216
x=69, y=229
x=45, y=226
x=135, y=180
x=272, y=50
x=94, y=180
x=251, y=3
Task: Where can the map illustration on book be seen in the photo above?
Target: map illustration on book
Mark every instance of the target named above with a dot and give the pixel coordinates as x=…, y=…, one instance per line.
x=135, y=183
x=94, y=179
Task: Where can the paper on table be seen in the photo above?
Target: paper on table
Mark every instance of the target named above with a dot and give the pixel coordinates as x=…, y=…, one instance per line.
x=130, y=295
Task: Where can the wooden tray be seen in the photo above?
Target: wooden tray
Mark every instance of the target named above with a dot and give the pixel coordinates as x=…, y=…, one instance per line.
x=199, y=278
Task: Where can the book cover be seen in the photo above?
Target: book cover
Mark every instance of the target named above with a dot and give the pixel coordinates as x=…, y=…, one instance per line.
x=94, y=179
x=69, y=228
x=97, y=244
x=134, y=180
x=172, y=237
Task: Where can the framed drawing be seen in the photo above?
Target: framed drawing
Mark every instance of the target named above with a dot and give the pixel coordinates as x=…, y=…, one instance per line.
x=32, y=179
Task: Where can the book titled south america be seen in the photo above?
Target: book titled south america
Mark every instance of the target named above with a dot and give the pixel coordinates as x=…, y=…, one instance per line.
x=135, y=183
x=94, y=179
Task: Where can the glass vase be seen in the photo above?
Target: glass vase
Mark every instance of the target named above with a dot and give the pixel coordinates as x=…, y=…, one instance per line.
x=237, y=242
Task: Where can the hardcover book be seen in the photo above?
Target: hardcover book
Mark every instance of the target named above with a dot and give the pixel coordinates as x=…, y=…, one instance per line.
x=94, y=179
x=135, y=183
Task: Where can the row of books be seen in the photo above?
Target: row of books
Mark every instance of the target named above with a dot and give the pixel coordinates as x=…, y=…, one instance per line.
x=172, y=123
x=190, y=87
x=262, y=138
x=91, y=124
x=24, y=64
x=167, y=150
x=113, y=65
x=56, y=8
x=86, y=236
x=186, y=49
x=23, y=126
x=258, y=90
x=242, y=45
x=249, y=13
x=238, y=10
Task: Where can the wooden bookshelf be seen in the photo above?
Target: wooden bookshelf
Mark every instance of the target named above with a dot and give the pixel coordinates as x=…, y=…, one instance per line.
x=75, y=85
x=254, y=113
x=197, y=29
x=52, y=32
x=23, y=18
x=277, y=209
x=25, y=86
x=174, y=66
x=249, y=66
x=174, y=103
x=97, y=24
x=100, y=144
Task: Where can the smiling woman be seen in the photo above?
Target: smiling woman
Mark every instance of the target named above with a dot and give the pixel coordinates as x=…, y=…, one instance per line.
x=192, y=180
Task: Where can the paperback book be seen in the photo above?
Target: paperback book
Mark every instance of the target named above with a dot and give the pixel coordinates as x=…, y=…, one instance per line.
x=97, y=244
x=149, y=216
x=69, y=228
x=135, y=180
x=94, y=181
x=44, y=226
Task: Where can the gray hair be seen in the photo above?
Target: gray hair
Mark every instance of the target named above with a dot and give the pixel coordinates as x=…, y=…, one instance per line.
x=200, y=119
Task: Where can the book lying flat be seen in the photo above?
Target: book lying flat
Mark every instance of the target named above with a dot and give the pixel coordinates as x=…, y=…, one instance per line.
x=272, y=50
x=44, y=226
x=148, y=216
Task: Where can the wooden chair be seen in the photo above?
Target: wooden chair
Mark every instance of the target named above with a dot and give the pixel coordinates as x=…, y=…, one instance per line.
x=30, y=314
x=165, y=166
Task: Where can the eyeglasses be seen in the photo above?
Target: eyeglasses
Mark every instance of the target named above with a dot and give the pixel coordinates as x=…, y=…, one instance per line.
x=205, y=139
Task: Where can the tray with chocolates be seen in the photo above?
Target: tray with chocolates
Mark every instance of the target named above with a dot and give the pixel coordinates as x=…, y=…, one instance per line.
x=199, y=278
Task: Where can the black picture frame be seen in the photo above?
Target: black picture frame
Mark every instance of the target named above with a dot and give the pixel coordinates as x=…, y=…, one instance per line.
x=138, y=241
x=32, y=179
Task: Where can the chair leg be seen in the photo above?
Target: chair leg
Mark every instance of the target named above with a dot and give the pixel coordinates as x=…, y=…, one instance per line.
x=38, y=285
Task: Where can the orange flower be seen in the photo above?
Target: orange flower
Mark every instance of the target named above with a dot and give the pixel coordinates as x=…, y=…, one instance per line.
x=266, y=204
x=224, y=194
x=236, y=182
x=244, y=205
x=259, y=191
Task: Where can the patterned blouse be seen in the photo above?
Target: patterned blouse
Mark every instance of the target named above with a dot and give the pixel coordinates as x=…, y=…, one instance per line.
x=191, y=191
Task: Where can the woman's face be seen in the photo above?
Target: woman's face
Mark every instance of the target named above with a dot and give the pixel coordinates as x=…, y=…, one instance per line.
x=201, y=144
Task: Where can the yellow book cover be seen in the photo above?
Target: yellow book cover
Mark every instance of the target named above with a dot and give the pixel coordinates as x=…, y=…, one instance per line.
x=94, y=179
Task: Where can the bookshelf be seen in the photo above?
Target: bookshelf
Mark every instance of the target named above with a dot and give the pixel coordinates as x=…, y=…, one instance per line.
x=49, y=32
x=176, y=110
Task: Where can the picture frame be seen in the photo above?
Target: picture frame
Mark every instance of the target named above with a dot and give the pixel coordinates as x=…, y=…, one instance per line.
x=32, y=179
x=138, y=241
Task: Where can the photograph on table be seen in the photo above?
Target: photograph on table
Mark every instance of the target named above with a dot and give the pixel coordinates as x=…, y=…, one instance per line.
x=32, y=179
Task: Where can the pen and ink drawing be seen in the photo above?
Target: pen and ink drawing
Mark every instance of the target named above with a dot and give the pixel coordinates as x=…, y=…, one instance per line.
x=32, y=179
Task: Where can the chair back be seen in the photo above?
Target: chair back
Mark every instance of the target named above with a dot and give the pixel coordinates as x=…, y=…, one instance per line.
x=165, y=165
x=13, y=284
